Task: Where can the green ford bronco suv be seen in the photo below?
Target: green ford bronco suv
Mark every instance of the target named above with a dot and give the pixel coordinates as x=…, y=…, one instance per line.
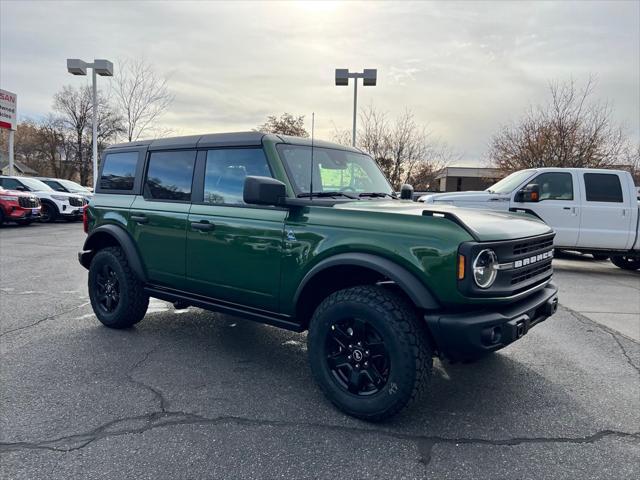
x=312, y=237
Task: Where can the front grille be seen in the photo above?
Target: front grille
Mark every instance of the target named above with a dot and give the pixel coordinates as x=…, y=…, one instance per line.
x=531, y=246
x=75, y=201
x=528, y=273
x=28, y=202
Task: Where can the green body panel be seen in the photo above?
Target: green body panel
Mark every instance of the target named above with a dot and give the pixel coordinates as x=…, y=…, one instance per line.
x=162, y=241
x=258, y=256
x=427, y=247
x=238, y=261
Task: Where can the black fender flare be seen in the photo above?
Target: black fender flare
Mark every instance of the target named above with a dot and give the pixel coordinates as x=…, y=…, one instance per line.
x=123, y=239
x=407, y=281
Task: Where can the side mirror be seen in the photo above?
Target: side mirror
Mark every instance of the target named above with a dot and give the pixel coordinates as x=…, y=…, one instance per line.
x=21, y=188
x=530, y=193
x=263, y=191
x=406, y=192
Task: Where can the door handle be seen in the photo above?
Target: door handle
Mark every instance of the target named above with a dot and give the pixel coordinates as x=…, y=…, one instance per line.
x=203, y=226
x=566, y=208
x=140, y=218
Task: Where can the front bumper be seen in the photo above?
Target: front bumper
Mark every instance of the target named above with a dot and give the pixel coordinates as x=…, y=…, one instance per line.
x=461, y=336
x=22, y=213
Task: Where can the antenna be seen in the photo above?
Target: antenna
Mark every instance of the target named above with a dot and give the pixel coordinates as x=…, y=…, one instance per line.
x=313, y=122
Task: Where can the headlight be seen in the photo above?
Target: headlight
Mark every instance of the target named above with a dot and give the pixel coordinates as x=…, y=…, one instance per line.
x=60, y=198
x=8, y=198
x=485, y=268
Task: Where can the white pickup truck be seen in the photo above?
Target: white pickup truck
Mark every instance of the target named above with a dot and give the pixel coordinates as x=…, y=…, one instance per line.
x=592, y=210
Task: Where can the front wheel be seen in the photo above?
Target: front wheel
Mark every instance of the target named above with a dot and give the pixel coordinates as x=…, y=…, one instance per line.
x=117, y=296
x=48, y=212
x=368, y=352
x=626, y=262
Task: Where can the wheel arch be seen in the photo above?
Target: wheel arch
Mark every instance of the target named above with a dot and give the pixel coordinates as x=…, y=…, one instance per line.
x=350, y=269
x=112, y=236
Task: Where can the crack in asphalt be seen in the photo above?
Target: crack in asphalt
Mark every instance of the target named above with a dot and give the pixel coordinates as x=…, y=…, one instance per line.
x=157, y=393
x=586, y=320
x=50, y=317
x=150, y=421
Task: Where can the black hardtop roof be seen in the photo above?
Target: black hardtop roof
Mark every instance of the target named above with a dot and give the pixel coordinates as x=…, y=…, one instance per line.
x=232, y=139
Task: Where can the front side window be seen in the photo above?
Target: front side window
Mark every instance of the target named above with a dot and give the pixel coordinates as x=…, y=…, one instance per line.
x=603, y=187
x=169, y=175
x=333, y=170
x=35, y=185
x=119, y=171
x=555, y=186
x=226, y=170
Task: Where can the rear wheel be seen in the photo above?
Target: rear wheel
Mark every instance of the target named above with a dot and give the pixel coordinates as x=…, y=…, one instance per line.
x=48, y=212
x=626, y=262
x=368, y=352
x=117, y=296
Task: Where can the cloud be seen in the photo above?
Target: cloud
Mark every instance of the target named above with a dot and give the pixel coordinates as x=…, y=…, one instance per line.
x=464, y=68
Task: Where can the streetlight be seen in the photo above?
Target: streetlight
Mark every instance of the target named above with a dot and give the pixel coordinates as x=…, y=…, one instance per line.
x=104, y=68
x=368, y=76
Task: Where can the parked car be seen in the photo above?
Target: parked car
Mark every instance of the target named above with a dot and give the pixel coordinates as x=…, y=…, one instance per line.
x=69, y=186
x=54, y=204
x=19, y=207
x=230, y=223
x=591, y=210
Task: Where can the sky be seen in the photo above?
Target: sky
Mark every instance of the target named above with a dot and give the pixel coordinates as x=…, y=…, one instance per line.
x=463, y=68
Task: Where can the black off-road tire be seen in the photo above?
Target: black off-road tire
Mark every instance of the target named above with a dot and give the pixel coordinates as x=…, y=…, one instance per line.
x=626, y=262
x=132, y=300
x=395, y=321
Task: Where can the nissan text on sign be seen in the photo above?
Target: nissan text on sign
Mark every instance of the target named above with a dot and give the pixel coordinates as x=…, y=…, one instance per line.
x=8, y=110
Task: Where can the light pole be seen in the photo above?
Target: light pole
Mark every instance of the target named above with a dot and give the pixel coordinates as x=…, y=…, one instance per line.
x=368, y=76
x=104, y=68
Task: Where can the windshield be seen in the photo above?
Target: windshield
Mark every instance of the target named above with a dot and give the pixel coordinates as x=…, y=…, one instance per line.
x=340, y=171
x=509, y=183
x=73, y=186
x=36, y=185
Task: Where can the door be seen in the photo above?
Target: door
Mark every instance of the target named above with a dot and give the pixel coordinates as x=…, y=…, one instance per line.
x=606, y=217
x=559, y=205
x=158, y=218
x=233, y=249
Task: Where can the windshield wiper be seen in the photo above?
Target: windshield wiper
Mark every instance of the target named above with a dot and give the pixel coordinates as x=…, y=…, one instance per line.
x=377, y=194
x=326, y=194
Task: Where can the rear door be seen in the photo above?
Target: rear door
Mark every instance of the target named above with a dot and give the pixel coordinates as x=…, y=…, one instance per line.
x=158, y=217
x=606, y=216
x=559, y=205
x=233, y=249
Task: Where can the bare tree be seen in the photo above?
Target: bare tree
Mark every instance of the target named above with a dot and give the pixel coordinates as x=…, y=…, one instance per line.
x=141, y=96
x=571, y=130
x=285, y=124
x=404, y=150
x=75, y=109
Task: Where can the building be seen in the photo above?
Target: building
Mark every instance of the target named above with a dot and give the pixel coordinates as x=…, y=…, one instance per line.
x=459, y=179
x=19, y=168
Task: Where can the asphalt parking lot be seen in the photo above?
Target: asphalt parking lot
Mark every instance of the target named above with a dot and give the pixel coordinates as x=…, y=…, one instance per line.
x=192, y=394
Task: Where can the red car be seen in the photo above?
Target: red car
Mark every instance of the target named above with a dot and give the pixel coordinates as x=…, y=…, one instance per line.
x=19, y=207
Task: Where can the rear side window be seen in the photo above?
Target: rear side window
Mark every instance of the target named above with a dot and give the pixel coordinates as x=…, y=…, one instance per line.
x=169, y=176
x=603, y=187
x=555, y=186
x=119, y=171
x=226, y=170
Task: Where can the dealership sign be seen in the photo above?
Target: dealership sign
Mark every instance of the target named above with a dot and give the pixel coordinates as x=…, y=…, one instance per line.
x=8, y=108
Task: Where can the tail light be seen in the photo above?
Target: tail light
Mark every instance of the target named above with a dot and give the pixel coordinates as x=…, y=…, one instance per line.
x=85, y=218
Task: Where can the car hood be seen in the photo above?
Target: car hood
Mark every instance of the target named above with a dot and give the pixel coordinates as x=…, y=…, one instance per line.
x=484, y=225
x=16, y=193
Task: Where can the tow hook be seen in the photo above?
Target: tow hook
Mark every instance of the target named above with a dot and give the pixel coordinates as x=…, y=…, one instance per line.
x=551, y=306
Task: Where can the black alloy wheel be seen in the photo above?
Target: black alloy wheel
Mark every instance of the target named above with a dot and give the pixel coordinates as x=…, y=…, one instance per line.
x=357, y=357
x=108, y=294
